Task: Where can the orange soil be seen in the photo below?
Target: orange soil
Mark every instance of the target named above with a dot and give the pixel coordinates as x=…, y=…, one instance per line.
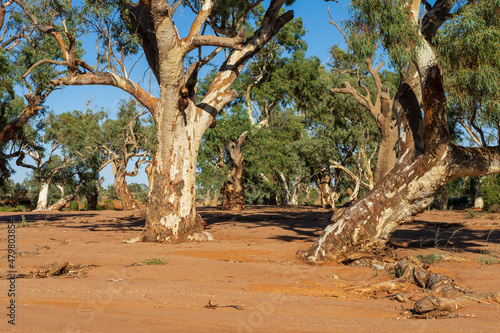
x=251, y=264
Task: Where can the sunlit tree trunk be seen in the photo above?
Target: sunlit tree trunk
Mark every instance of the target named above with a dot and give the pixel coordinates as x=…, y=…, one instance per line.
x=43, y=197
x=122, y=191
x=328, y=197
x=233, y=190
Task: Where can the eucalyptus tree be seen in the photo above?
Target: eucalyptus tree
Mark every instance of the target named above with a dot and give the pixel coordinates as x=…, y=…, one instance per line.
x=77, y=133
x=428, y=159
x=47, y=157
x=121, y=140
x=31, y=43
x=148, y=27
x=218, y=166
x=263, y=82
x=372, y=93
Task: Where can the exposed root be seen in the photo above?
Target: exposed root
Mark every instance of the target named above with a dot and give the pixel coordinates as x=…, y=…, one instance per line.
x=60, y=268
x=446, y=295
x=203, y=236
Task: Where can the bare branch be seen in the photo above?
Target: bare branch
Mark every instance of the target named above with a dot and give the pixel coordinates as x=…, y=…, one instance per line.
x=338, y=28
x=111, y=79
x=44, y=61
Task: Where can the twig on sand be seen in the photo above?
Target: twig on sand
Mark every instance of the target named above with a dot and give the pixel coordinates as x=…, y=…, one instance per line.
x=213, y=306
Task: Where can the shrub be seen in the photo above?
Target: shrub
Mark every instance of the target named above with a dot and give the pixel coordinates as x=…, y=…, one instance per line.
x=73, y=205
x=108, y=204
x=490, y=190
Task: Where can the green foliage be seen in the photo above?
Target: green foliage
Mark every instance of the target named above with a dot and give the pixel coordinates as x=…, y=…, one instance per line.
x=385, y=23
x=110, y=192
x=154, y=261
x=468, y=47
x=113, y=22
x=490, y=190
x=74, y=205
x=108, y=204
x=14, y=194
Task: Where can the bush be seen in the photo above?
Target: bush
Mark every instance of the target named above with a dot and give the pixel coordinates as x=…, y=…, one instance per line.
x=490, y=190
x=108, y=204
x=73, y=205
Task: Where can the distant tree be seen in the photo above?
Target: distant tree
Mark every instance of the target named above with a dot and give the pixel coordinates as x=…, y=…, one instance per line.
x=77, y=132
x=260, y=99
x=47, y=163
x=128, y=137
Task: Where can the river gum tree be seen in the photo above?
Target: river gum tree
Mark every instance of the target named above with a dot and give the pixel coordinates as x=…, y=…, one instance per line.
x=180, y=119
x=428, y=159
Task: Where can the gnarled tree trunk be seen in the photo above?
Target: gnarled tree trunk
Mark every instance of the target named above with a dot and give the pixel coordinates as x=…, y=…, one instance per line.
x=233, y=190
x=428, y=161
x=122, y=191
x=328, y=197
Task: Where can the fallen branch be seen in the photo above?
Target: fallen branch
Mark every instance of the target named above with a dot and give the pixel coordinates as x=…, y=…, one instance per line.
x=213, y=306
x=445, y=296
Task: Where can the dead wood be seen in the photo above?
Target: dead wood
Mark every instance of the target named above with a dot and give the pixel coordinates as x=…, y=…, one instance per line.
x=213, y=306
x=446, y=296
x=60, y=268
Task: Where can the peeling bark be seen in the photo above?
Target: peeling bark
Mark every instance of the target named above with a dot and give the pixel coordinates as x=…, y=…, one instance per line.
x=233, y=190
x=328, y=197
x=42, y=197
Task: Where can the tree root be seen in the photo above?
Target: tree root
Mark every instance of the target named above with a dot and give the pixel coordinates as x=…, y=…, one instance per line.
x=446, y=295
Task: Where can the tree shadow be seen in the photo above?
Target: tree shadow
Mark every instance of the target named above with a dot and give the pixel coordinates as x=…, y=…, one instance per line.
x=445, y=236
x=91, y=221
x=304, y=224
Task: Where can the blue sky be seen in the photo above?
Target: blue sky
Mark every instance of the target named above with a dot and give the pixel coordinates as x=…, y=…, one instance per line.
x=320, y=36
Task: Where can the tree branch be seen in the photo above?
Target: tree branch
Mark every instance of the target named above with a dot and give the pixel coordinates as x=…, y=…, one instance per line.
x=218, y=94
x=111, y=79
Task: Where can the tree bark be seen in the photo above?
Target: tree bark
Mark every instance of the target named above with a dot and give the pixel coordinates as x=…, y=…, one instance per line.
x=122, y=191
x=233, y=190
x=43, y=196
x=328, y=197
x=443, y=202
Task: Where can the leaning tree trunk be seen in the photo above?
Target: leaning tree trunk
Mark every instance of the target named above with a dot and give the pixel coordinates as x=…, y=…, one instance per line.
x=65, y=199
x=428, y=161
x=122, y=191
x=233, y=191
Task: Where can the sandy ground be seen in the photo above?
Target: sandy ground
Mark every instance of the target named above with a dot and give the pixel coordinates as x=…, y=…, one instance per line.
x=250, y=268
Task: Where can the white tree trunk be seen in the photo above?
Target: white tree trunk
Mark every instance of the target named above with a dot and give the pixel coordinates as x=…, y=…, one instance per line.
x=295, y=194
x=43, y=197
